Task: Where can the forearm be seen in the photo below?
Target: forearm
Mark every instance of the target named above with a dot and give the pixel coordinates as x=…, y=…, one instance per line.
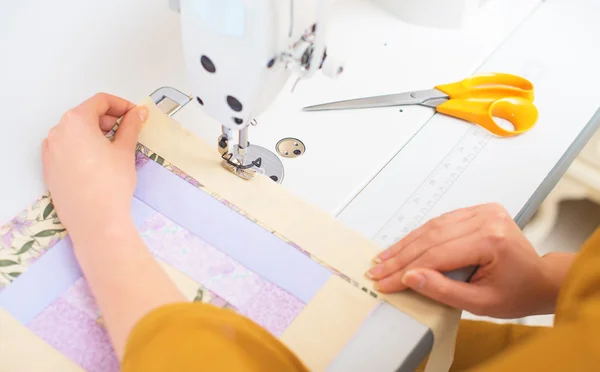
x=124, y=277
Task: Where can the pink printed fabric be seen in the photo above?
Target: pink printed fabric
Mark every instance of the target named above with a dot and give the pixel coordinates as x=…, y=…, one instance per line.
x=258, y=299
x=272, y=308
x=80, y=297
x=73, y=332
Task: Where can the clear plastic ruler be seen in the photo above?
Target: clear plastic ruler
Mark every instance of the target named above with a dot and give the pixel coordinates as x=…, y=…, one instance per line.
x=411, y=213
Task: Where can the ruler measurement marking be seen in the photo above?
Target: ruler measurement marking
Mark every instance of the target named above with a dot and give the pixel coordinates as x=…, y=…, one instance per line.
x=434, y=186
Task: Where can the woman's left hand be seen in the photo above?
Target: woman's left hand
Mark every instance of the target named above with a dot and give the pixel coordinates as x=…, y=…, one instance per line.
x=512, y=279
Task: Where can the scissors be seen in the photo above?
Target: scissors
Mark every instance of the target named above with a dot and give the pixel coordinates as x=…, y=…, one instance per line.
x=477, y=99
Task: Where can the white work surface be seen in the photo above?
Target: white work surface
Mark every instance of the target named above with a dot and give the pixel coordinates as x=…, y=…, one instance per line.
x=55, y=54
x=557, y=49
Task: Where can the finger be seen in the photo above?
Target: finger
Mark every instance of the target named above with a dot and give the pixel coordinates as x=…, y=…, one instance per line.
x=127, y=135
x=105, y=104
x=446, y=218
x=107, y=122
x=453, y=255
x=436, y=286
x=427, y=241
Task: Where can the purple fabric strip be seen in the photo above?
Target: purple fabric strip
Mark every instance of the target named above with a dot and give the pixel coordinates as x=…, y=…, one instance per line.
x=51, y=275
x=140, y=212
x=233, y=234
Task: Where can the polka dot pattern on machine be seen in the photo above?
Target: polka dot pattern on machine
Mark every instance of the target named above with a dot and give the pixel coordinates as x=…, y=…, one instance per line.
x=208, y=64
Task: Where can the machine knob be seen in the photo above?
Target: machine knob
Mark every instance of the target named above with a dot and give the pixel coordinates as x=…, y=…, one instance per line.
x=332, y=67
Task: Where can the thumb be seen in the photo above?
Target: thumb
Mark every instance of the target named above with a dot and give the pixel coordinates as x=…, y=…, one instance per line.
x=440, y=288
x=129, y=129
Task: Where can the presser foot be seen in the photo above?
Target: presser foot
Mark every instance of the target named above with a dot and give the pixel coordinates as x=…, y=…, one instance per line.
x=232, y=163
x=246, y=162
x=236, y=167
x=246, y=174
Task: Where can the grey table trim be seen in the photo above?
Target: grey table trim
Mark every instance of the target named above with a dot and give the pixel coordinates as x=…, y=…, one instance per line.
x=548, y=184
x=393, y=351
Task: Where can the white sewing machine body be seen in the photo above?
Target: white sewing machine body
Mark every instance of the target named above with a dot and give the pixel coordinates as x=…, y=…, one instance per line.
x=240, y=54
x=234, y=53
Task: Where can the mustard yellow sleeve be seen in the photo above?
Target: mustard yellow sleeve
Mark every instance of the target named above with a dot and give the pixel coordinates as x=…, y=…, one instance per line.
x=200, y=337
x=478, y=341
x=573, y=343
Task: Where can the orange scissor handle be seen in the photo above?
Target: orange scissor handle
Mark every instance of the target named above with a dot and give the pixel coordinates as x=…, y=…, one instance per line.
x=492, y=86
x=520, y=112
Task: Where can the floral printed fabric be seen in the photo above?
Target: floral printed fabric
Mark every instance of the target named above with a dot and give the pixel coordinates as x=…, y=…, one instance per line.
x=36, y=229
x=26, y=237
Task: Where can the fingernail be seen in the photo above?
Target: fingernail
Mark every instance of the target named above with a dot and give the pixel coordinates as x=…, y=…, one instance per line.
x=375, y=271
x=382, y=256
x=143, y=113
x=413, y=280
x=381, y=285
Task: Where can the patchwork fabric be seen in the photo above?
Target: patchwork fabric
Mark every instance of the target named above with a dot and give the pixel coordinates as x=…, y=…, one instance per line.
x=73, y=324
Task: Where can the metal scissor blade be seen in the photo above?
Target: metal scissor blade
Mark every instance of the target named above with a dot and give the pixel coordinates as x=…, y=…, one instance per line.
x=368, y=102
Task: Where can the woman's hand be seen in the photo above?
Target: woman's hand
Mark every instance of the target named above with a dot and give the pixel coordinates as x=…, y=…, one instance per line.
x=512, y=280
x=90, y=178
x=91, y=181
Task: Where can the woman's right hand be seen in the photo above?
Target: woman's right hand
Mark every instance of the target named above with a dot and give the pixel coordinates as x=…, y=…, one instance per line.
x=512, y=280
x=90, y=178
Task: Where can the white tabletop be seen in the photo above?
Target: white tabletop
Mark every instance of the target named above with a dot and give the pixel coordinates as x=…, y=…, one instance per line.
x=557, y=50
x=57, y=53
